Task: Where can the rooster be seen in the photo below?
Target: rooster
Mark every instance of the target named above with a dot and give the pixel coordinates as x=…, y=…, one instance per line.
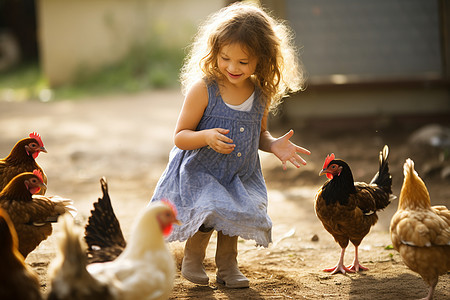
x=22, y=159
x=32, y=214
x=103, y=234
x=144, y=270
x=17, y=280
x=347, y=209
x=421, y=232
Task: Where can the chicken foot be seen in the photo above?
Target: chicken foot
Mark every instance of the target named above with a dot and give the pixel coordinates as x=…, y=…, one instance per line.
x=340, y=266
x=355, y=266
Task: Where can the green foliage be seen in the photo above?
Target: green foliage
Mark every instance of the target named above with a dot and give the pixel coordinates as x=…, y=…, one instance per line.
x=22, y=83
x=151, y=66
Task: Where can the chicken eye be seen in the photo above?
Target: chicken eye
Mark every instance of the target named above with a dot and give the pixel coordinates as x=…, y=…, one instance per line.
x=33, y=145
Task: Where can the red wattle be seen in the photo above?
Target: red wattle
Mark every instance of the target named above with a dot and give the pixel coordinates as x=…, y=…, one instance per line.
x=167, y=230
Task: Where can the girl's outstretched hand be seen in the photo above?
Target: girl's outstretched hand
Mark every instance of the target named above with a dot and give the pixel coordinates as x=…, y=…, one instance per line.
x=285, y=150
x=216, y=139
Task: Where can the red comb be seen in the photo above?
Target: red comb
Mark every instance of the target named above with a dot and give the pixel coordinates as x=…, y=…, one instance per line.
x=38, y=173
x=329, y=158
x=37, y=137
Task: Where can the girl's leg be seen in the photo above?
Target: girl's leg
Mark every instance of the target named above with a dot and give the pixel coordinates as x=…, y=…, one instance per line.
x=194, y=252
x=226, y=261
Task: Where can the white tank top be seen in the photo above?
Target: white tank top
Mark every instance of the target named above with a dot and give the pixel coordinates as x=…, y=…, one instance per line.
x=244, y=106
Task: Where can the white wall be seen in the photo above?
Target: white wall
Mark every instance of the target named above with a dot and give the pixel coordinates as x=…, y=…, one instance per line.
x=76, y=35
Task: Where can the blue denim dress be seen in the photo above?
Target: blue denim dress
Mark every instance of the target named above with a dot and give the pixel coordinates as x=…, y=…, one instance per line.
x=223, y=191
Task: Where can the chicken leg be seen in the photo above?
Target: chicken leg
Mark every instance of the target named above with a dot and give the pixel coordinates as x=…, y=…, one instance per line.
x=431, y=290
x=355, y=266
x=340, y=266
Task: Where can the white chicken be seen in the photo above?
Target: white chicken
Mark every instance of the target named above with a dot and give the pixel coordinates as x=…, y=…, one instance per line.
x=144, y=270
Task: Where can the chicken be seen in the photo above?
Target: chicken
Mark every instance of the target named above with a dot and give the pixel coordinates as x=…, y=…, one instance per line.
x=17, y=280
x=103, y=234
x=69, y=278
x=348, y=209
x=144, y=270
x=32, y=214
x=421, y=232
x=22, y=159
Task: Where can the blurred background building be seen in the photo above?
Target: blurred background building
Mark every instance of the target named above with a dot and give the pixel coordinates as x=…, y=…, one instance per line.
x=384, y=60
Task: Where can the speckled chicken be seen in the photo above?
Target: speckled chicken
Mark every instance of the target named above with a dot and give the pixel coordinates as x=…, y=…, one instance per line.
x=22, y=159
x=32, y=214
x=421, y=232
x=103, y=234
x=348, y=209
x=17, y=280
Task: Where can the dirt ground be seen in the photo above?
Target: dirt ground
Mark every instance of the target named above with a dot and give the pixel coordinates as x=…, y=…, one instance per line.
x=127, y=139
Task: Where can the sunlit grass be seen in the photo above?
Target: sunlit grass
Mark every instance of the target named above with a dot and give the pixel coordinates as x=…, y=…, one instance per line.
x=22, y=83
x=154, y=67
x=144, y=68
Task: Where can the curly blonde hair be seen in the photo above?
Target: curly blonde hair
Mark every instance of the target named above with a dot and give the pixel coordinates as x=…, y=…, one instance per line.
x=278, y=71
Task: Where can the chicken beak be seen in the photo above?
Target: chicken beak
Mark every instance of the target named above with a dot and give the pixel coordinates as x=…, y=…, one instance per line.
x=177, y=222
x=324, y=171
x=42, y=149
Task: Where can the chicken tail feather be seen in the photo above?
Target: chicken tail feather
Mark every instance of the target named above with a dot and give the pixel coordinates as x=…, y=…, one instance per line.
x=103, y=228
x=64, y=205
x=70, y=244
x=69, y=276
x=383, y=178
x=61, y=206
x=414, y=192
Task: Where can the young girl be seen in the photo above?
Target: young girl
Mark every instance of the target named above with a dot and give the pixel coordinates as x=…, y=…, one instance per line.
x=240, y=66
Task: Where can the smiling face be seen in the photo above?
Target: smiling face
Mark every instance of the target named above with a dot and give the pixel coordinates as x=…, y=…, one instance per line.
x=235, y=64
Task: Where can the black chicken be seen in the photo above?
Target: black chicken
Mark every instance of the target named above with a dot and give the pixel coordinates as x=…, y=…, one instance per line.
x=103, y=234
x=347, y=209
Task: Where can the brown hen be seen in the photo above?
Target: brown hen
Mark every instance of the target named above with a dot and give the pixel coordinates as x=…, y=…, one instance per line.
x=32, y=214
x=17, y=280
x=347, y=209
x=421, y=232
x=22, y=159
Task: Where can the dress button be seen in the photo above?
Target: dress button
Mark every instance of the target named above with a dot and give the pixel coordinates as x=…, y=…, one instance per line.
x=239, y=154
x=209, y=147
x=242, y=129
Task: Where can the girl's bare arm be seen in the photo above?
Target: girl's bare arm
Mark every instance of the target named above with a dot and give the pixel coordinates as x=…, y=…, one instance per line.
x=187, y=137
